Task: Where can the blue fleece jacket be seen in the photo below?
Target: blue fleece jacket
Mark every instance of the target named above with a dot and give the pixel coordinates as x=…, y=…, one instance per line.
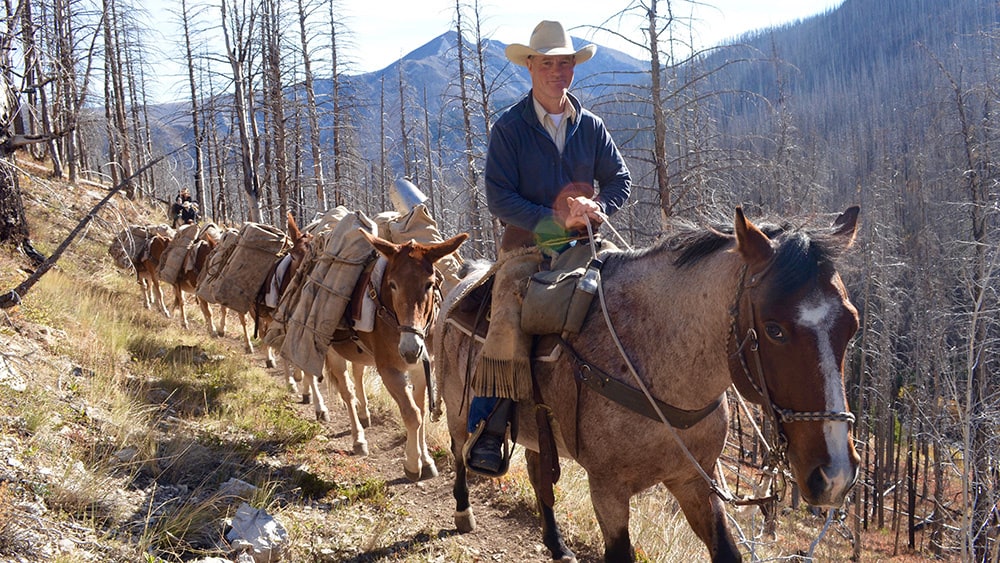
x=527, y=178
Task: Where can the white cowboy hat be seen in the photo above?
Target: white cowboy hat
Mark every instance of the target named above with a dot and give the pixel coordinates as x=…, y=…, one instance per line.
x=549, y=38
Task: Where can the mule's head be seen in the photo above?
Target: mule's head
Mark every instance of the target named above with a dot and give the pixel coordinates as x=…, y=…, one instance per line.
x=411, y=287
x=301, y=242
x=793, y=358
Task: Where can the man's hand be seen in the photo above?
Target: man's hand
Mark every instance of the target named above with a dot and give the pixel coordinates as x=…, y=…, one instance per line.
x=583, y=208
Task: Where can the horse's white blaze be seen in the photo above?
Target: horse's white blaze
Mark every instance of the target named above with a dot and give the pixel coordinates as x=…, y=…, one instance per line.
x=818, y=314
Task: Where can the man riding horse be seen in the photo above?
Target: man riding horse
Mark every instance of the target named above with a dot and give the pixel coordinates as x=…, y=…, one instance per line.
x=545, y=155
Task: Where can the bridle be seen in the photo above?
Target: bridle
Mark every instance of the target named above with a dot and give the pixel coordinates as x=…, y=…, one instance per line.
x=756, y=377
x=389, y=316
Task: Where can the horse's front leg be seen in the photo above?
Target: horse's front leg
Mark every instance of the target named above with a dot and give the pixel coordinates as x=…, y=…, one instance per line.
x=397, y=384
x=706, y=513
x=551, y=535
x=610, y=498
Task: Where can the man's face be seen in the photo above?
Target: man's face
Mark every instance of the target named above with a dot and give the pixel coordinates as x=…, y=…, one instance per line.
x=551, y=77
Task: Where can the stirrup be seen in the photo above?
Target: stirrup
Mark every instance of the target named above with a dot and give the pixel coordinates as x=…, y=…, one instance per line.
x=506, y=451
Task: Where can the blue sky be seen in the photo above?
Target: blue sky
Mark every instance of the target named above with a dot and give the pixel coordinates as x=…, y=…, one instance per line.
x=385, y=30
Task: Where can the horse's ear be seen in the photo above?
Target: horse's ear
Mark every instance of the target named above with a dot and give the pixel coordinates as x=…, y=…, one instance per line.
x=751, y=242
x=440, y=250
x=384, y=247
x=845, y=228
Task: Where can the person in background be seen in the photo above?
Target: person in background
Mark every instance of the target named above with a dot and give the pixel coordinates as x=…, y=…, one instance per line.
x=183, y=211
x=551, y=167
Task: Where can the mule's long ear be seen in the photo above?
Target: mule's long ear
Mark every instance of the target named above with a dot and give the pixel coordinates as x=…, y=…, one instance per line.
x=845, y=228
x=384, y=247
x=440, y=250
x=293, y=228
x=750, y=241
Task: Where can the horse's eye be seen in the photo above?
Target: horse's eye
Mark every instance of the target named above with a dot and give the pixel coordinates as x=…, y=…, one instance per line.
x=774, y=332
x=430, y=286
x=392, y=285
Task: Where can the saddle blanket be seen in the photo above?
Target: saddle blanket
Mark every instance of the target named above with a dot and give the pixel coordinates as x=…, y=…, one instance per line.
x=366, y=321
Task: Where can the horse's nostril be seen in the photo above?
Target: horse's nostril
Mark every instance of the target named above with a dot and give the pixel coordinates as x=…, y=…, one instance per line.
x=818, y=483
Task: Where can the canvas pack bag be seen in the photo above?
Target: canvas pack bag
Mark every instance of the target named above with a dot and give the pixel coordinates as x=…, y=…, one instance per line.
x=314, y=304
x=256, y=248
x=418, y=225
x=318, y=227
x=172, y=261
x=210, y=278
x=131, y=244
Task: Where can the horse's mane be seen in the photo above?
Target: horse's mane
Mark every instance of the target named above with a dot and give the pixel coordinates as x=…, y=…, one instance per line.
x=800, y=253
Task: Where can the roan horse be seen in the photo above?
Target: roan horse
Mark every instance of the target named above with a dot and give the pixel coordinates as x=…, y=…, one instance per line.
x=408, y=301
x=687, y=313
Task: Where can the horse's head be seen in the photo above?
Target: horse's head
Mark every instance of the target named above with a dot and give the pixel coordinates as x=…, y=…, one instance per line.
x=792, y=330
x=413, y=286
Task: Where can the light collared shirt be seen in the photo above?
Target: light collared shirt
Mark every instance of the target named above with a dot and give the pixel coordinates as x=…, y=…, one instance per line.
x=555, y=123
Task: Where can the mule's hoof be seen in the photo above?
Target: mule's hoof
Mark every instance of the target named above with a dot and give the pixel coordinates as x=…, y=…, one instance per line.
x=271, y=364
x=361, y=449
x=366, y=422
x=428, y=471
x=465, y=521
x=306, y=398
x=323, y=416
x=411, y=475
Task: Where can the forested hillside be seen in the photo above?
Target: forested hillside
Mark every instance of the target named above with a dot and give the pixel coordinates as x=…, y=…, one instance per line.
x=888, y=104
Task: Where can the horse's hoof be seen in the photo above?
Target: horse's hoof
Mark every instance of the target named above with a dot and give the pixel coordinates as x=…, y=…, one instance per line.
x=323, y=416
x=465, y=521
x=361, y=449
x=306, y=398
x=271, y=364
x=366, y=422
x=428, y=471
